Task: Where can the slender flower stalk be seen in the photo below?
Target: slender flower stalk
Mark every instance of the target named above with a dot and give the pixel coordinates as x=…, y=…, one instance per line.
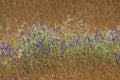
x=35, y=27
x=78, y=37
x=96, y=34
x=21, y=35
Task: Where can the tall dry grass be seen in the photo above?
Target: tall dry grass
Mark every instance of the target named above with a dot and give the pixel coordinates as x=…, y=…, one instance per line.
x=59, y=69
x=97, y=13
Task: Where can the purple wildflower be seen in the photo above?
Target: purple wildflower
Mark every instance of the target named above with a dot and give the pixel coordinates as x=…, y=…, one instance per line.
x=63, y=44
x=38, y=44
x=111, y=32
x=71, y=39
x=6, y=47
x=78, y=37
x=115, y=30
x=48, y=27
x=113, y=38
x=3, y=45
x=87, y=37
x=21, y=35
x=96, y=34
x=40, y=24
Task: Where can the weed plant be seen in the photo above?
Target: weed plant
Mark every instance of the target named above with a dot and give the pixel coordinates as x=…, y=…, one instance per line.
x=43, y=44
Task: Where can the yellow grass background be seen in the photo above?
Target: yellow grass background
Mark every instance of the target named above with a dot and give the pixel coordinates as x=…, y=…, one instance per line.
x=96, y=13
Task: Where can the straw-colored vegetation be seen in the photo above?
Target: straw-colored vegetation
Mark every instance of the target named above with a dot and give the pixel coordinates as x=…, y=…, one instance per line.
x=86, y=46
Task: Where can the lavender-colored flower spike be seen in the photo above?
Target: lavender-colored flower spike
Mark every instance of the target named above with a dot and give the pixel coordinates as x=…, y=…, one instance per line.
x=63, y=44
x=115, y=30
x=111, y=33
x=6, y=47
x=87, y=37
x=40, y=24
x=71, y=39
x=113, y=38
x=48, y=27
x=78, y=37
x=3, y=46
x=96, y=34
x=21, y=35
x=38, y=44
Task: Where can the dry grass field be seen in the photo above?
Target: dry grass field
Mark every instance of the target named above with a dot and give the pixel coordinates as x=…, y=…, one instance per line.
x=96, y=13
x=66, y=69
x=101, y=14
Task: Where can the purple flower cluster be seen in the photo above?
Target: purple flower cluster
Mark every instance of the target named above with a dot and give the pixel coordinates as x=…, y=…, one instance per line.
x=6, y=47
x=42, y=40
